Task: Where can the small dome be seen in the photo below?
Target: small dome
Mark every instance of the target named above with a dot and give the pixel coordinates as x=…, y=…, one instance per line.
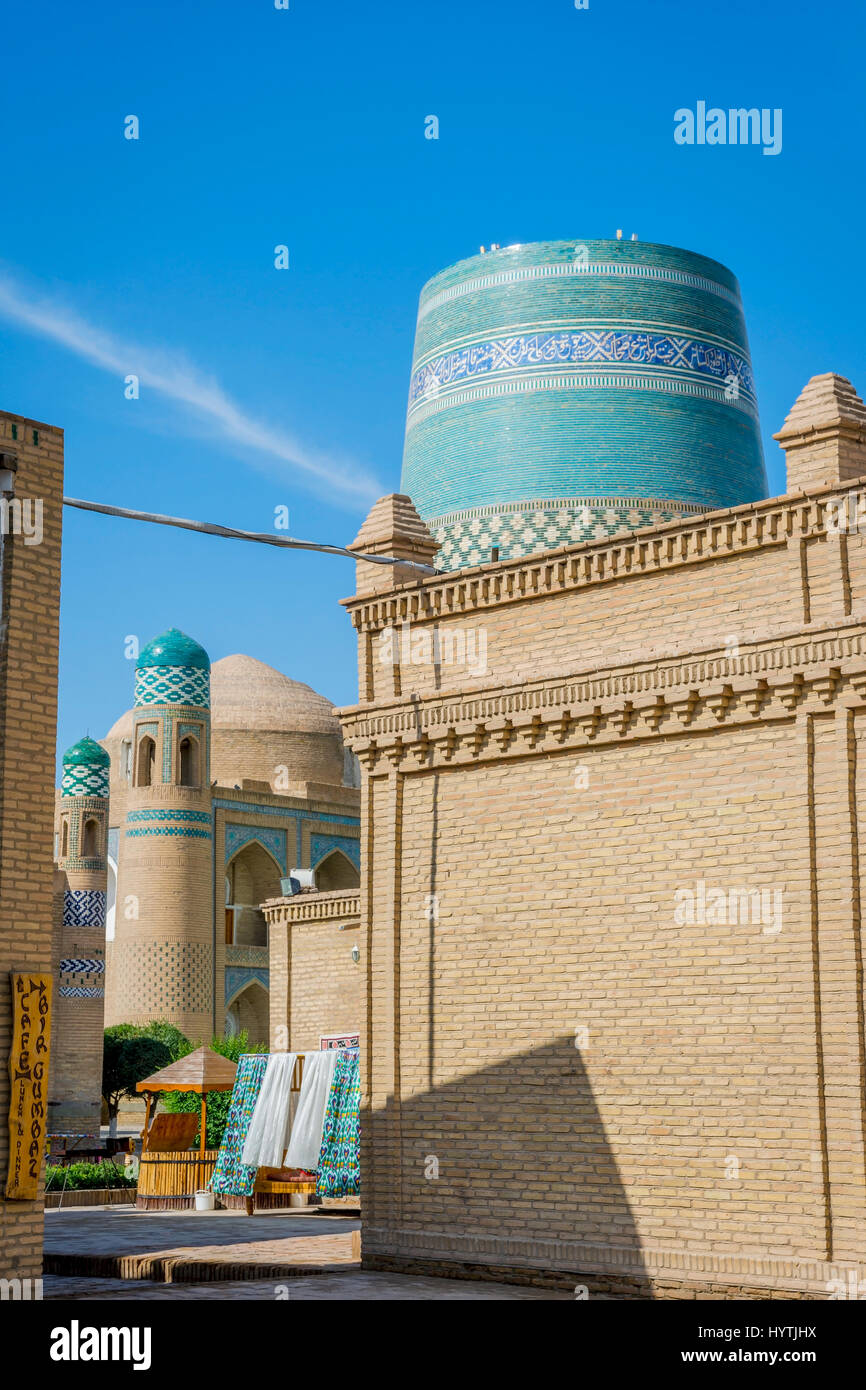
x=86, y=753
x=248, y=694
x=85, y=769
x=173, y=648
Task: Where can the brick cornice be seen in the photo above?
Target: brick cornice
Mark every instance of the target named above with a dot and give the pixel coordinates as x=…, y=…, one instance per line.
x=669, y=545
x=771, y=680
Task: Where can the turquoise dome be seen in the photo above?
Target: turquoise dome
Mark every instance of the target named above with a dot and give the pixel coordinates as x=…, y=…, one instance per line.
x=173, y=669
x=173, y=648
x=568, y=390
x=85, y=769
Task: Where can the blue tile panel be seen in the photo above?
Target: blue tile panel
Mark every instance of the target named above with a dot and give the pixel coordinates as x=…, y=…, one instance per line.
x=237, y=836
x=321, y=846
x=608, y=379
x=237, y=977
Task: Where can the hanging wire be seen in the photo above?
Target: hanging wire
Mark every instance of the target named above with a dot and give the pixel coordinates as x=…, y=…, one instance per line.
x=211, y=528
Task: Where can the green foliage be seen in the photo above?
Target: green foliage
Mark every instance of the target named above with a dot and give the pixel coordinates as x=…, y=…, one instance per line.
x=218, y=1101
x=75, y=1177
x=128, y=1057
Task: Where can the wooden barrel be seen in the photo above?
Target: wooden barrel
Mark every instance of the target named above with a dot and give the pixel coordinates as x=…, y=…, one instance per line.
x=169, y=1181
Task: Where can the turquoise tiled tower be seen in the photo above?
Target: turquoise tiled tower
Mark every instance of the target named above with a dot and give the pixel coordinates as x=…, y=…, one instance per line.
x=163, y=953
x=567, y=390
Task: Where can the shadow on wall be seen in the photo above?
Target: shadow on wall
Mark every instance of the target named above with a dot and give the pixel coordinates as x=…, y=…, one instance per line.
x=517, y=1152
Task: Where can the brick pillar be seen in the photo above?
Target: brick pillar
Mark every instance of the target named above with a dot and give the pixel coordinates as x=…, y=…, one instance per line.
x=31, y=488
x=824, y=436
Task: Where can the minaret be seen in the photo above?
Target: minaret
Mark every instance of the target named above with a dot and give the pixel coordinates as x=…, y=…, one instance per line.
x=79, y=942
x=162, y=956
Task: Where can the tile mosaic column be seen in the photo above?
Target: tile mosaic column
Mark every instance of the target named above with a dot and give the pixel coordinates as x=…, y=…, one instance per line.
x=79, y=942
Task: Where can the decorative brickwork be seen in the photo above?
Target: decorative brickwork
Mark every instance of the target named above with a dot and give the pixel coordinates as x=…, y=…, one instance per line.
x=609, y=913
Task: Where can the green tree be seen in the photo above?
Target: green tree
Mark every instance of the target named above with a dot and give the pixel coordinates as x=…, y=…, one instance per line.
x=218, y=1102
x=127, y=1057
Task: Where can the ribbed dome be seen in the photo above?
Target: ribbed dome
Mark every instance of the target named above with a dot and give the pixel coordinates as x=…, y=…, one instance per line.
x=173, y=648
x=248, y=694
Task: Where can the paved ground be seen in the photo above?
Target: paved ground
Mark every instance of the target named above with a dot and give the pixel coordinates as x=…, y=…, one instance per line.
x=353, y=1285
x=122, y=1242
x=121, y=1253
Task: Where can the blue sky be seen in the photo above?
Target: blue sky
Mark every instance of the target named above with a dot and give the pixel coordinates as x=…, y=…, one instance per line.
x=306, y=127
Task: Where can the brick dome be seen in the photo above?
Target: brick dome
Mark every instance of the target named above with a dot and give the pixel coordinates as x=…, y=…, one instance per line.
x=262, y=720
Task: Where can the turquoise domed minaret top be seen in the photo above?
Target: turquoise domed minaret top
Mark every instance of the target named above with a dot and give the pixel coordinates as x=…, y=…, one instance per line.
x=565, y=391
x=173, y=669
x=86, y=768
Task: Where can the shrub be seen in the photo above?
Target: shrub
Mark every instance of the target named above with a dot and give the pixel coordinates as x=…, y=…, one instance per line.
x=218, y=1101
x=78, y=1177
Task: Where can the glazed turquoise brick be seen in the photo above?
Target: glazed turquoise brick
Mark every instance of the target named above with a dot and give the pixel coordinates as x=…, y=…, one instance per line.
x=579, y=374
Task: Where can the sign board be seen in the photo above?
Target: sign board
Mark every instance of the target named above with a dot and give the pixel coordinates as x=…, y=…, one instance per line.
x=28, y=1077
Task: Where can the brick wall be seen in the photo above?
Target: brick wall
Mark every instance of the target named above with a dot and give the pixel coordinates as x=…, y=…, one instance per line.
x=316, y=986
x=610, y=915
x=28, y=716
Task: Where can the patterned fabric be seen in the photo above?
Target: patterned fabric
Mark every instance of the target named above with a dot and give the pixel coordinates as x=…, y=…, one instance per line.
x=340, y=1160
x=230, y=1175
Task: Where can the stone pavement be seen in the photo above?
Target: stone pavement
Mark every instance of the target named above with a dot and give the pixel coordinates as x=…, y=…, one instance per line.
x=189, y=1246
x=120, y=1253
x=353, y=1286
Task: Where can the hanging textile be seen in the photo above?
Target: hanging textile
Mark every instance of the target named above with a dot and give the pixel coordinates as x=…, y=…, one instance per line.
x=268, y=1133
x=305, y=1140
x=231, y=1177
x=339, y=1159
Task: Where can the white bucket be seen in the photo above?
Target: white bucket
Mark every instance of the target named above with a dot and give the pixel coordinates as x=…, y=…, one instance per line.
x=204, y=1201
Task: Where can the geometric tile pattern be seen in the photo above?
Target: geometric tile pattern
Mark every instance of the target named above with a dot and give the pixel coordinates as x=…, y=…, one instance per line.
x=83, y=907
x=199, y=817
x=79, y=965
x=172, y=685
x=272, y=840
x=175, y=831
x=85, y=780
x=81, y=992
x=523, y=528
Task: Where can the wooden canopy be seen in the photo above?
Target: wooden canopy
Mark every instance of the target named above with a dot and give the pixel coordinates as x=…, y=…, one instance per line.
x=202, y=1071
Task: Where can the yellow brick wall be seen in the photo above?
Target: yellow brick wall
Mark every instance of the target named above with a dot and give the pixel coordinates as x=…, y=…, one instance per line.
x=614, y=1093
x=316, y=986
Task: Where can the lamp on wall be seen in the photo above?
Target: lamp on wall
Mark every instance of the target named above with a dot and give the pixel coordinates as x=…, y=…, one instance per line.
x=356, y=954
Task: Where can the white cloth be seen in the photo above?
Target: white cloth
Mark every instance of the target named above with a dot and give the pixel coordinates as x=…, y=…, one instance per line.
x=305, y=1141
x=268, y=1133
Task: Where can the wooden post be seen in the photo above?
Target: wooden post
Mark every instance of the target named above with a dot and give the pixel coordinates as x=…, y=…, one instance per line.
x=202, y=1144
x=146, y=1122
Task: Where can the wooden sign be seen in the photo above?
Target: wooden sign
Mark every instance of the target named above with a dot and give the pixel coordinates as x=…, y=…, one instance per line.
x=28, y=1075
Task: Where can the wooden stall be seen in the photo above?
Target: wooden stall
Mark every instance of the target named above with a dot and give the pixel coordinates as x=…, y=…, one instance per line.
x=171, y=1171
